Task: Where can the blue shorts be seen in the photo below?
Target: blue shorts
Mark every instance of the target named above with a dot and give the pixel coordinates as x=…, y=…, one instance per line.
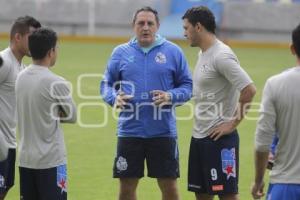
x=7, y=171
x=214, y=165
x=283, y=192
x=46, y=184
x=160, y=153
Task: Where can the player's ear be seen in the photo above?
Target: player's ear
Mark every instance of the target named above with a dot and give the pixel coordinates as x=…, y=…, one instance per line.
x=17, y=37
x=50, y=53
x=292, y=48
x=157, y=23
x=198, y=27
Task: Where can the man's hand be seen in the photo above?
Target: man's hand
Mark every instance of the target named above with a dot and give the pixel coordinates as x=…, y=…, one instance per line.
x=257, y=190
x=61, y=113
x=161, y=98
x=226, y=128
x=270, y=161
x=222, y=129
x=122, y=100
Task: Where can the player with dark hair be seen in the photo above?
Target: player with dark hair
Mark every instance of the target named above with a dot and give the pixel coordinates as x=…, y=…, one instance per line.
x=223, y=92
x=43, y=101
x=280, y=113
x=12, y=65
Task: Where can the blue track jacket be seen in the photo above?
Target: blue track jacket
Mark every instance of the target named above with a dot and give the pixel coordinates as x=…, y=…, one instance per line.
x=138, y=71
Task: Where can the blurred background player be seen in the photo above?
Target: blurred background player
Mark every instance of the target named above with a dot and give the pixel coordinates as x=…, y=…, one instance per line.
x=151, y=75
x=223, y=92
x=280, y=112
x=43, y=101
x=12, y=65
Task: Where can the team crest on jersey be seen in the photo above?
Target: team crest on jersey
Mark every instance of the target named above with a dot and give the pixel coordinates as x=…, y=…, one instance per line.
x=62, y=178
x=228, y=162
x=122, y=164
x=160, y=58
x=2, y=181
x=204, y=68
x=130, y=59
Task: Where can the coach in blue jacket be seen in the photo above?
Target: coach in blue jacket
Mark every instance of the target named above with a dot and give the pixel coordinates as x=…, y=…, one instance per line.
x=147, y=78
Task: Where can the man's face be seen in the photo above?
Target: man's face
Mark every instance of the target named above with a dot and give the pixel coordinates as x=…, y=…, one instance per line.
x=23, y=42
x=145, y=28
x=190, y=33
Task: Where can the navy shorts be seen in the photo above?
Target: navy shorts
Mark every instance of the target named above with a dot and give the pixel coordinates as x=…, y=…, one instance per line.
x=43, y=184
x=7, y=171
x=214, y=165
x=161, y=155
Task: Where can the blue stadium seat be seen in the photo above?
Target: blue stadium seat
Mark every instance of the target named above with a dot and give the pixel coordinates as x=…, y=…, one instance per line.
x=171, y=26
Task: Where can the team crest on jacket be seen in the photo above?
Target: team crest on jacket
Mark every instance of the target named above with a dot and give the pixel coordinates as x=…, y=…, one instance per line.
x=62, y=178
x=122, y=164
x=228, y=162
x=130, y=59
x=160, y=58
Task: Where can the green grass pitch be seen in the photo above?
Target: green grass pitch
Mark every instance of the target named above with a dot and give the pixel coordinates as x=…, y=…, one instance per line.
x=91, y=150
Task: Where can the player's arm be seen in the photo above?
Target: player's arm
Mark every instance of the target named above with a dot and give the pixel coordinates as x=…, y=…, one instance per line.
x=246, y=98
x=3, y=145
x=4, y=70
x=263, y=138
x=230, y=68
x=243, y=106
x=182, y=92
x=108, y=86
x=66, y=107
x=261, y=160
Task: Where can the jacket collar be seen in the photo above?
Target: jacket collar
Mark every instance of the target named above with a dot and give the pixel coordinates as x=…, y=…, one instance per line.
x=159, y=40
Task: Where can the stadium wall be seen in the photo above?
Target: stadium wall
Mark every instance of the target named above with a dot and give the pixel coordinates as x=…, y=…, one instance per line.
x=262, y=22
x=242, y=23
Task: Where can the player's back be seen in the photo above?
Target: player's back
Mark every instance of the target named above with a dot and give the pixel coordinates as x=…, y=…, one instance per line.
x=41, y=138
x=286, y=97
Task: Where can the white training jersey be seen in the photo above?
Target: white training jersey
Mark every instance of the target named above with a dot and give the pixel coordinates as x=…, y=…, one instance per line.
x=41, y=98
x=280, y=113
x=217, y=82
x=8, y=74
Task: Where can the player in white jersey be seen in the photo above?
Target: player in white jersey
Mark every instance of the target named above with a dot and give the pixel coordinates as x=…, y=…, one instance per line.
x=12, y=65
x=280, y=112
x=43, y=101
x=222, y=92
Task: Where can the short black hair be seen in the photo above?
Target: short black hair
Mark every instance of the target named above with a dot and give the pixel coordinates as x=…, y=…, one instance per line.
x=40, y=42
x=146, y=9
x=202, y=15
x=22, y=24
x=296, y=40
